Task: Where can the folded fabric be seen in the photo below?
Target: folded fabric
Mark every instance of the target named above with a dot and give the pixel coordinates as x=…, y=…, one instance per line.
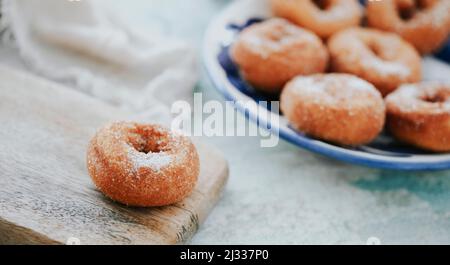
x=88, y=46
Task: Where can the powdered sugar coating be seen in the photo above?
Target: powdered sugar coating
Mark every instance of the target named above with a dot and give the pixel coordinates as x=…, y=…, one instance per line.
x=325, y=20
x=333, y=89
x=421, y=98
x=382, y=58
x=274, y=36
x=419, y=114
x=387, y=68
x=155, y=161
x=340, y=108
x=272, y=52
x=426, y=25
x=142, y=164
x=434, y=14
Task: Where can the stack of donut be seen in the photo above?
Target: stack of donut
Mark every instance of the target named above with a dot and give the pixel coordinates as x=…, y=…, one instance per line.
x=341, y=82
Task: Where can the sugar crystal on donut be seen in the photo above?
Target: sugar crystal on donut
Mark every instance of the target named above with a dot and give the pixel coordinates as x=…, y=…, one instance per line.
x=272, y=52
x=424, y=23
x=142, y=164
x=382, y=58
x=419, y=114
x=338, y=108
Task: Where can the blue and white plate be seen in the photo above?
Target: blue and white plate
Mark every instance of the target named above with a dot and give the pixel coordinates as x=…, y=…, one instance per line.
x=384, y=152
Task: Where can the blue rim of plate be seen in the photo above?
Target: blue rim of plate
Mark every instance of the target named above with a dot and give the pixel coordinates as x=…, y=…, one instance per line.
x=407, y=159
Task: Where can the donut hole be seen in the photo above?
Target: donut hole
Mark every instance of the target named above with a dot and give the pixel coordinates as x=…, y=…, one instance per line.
x=378, y=51
x=374, y=49
x=278, y=34
x=407, y=13
x=408, y=9
x=321, y=4
x=439, y=97
x=149, y=147
x=148, y=141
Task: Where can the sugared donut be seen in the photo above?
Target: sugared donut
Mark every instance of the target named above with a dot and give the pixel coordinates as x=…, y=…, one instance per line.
x=339, y=108
x=272, y=52
x=382, y=58
x=419, y=114
x=324, y=17
x=424, y=23
x=142, y=164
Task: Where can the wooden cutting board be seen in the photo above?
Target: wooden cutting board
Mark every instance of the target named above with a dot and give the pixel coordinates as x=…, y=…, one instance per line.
x=46, y=194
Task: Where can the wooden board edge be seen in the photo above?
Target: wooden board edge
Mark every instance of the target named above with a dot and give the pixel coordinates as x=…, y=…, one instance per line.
x=12, y=234
x=215, y=193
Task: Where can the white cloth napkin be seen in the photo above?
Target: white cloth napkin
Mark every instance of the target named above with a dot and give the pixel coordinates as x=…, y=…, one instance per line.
x=87, y=45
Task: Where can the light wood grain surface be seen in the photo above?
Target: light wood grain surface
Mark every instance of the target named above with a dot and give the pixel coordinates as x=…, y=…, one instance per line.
x=46, y=194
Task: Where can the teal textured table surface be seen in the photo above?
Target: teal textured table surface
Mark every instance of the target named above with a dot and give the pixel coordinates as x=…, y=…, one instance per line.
x=285, y=195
